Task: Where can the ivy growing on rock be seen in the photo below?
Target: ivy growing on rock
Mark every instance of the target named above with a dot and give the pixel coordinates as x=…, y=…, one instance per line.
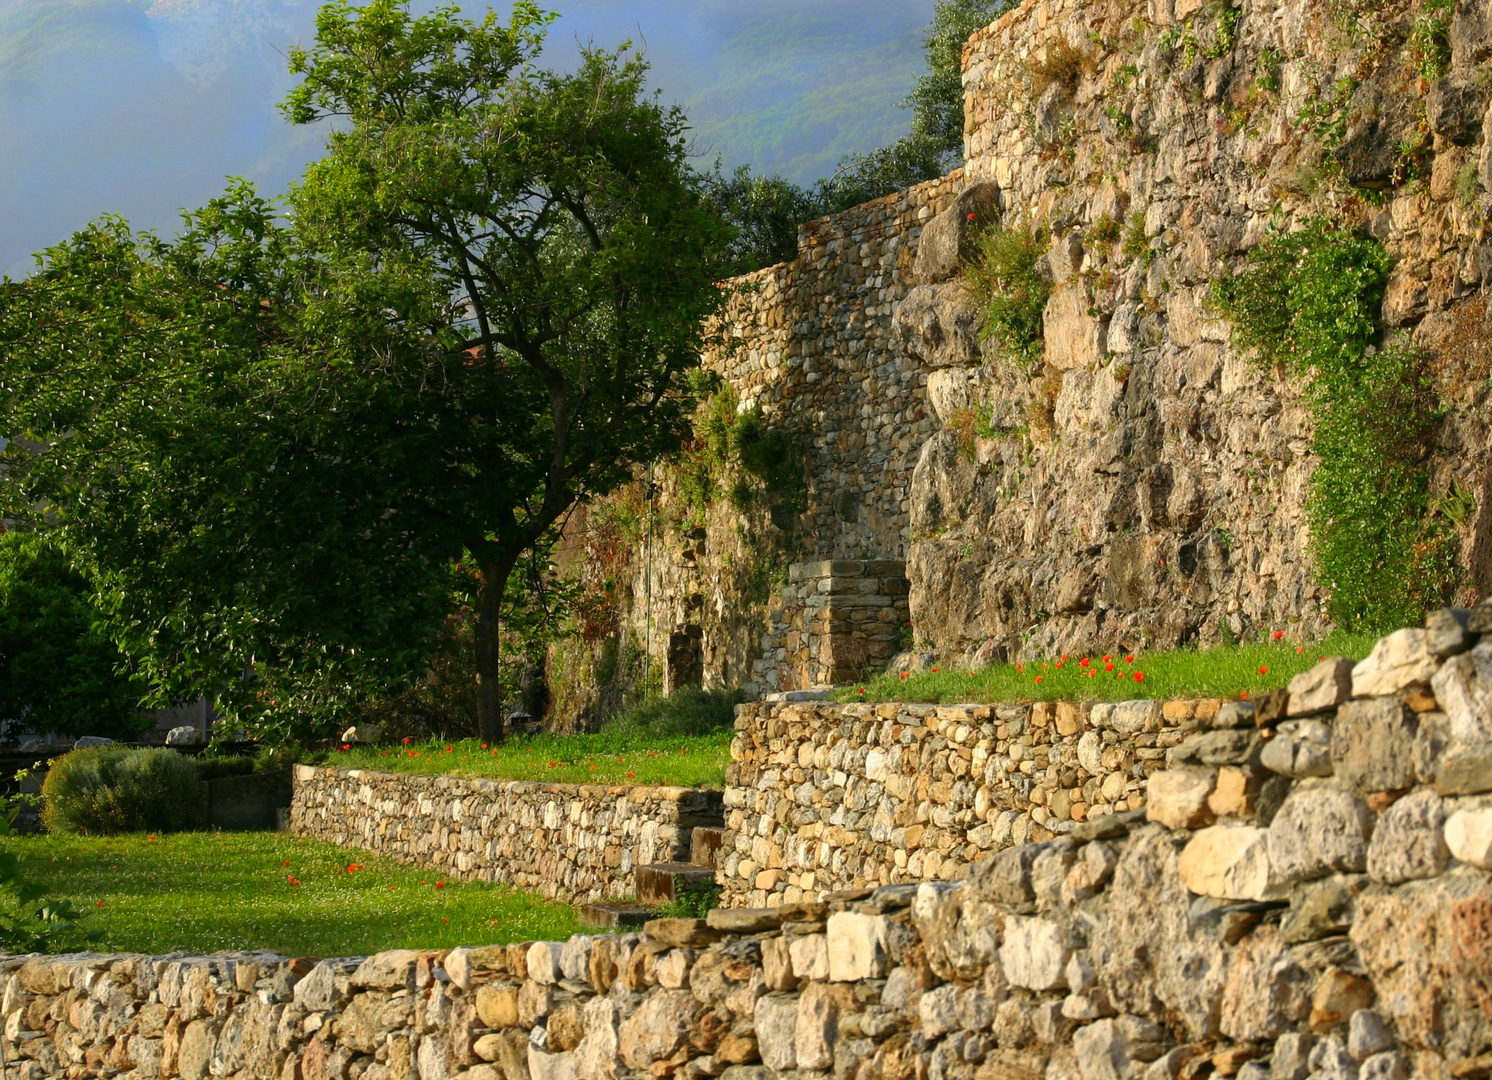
x=1309, y=304
x=741, y=456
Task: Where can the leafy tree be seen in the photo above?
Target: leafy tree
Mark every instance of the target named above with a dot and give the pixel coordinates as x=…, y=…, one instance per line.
x=765, y=212
x=573, y=254
x=59, y=670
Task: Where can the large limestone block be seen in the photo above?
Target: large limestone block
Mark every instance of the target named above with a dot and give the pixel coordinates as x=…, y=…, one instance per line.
x=1177, y=798
x=1035, y=953
x=776, y=1023
x=857, y=946
x=816, y=1028
x=1267, y=992
x=1074, y=338
x=948, y=239
x=1318, y=830
x=1321, y=689
x=1468, y=835
x=1409, y=840
x=1230, y=862
x=943, y=483
x=1463, y=687
x=393, y=970
x=1299, y=748
x=1400, y=660
x=950, y=392
x=938, y=325
x=1372, y=745
x=544, y=962
x=659, y=1028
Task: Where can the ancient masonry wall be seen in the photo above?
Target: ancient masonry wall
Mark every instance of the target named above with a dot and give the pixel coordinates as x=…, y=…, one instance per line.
x=1142, y=482
x=1336, y=922
x=577, y=843
x=815, y=346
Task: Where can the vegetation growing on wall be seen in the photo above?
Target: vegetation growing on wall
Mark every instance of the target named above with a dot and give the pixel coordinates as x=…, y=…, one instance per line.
x=1005, y=277
x=738, y=455
x=1309, y=304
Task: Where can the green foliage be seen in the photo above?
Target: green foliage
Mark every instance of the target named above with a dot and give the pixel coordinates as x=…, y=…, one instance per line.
x=692, y=900
x=1006, y=280
x=1309, y=302
x=690, y=711
x=765, y=211
x=1225, y=32
x=111, y=789
x=738, y=454
x=1429, y=39
x=59, y=670
x=207, y=892
x=229, y=765
x=32, y=921
x=1226, y=671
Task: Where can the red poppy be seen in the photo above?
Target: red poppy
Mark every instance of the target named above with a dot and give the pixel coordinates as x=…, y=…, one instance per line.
x=1278, y=634
x=971, y=217
x=1107, y=657
x=1108, y=667
x=440, y=884
x=1084, y=662
x=903, y=674
x=859, y=691
x=1060, y=663
x=1139, y=676
x=630, y=775
x=1263, y=669
x=1300, y=649
x=100, y=903
x=1129, y=659
x=935, y=669
x=285, y=863
x=407, y=741
x=1040, y=677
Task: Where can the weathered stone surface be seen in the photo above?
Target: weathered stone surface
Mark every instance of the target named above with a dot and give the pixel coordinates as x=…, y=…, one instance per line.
x=1463, y=687
x=1408, y=841
x=857, y=946
x=776, y=1023
x=1034, y=954
x=948, y=238
x=1317, y=831
x=1468, y=837
x=658, y=1029
x=1230, y=862
x=1398, y=661
x=1372, y=745
x=1177, y=798
x=1446, y=633
x=1322, y=688
x=681, y=933
x=1300, y=748
x=1267, y=992
x=1321, y=909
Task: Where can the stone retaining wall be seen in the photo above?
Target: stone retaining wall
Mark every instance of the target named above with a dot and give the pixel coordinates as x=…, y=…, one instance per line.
x=1333, y=923
x=577, y=843
x=822, y=797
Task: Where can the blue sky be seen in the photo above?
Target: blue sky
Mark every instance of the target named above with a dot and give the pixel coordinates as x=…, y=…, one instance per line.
x=142, y=107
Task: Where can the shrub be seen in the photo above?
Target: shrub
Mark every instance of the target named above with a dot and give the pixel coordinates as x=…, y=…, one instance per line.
x=110, y=789
x=690, y=711
x=1310, y=304
x=1006, y=280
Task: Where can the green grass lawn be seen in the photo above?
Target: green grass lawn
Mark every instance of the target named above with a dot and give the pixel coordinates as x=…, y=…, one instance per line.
x=206, y=892
x=1180, y=673
x=609, y=758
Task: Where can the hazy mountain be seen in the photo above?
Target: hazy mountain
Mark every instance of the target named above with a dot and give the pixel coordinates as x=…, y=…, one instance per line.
x=141, y=107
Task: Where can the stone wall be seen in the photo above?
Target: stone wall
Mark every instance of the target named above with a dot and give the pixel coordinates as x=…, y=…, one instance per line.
x=577, y=843
x=1330, y=922
x=1144, y=483
x=815, y=346
x=821, y=797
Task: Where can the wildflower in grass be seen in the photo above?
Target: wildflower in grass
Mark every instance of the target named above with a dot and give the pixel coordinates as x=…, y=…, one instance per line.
x=1020, y=669
x=861, y=690
x=484, y=746
x=285, y=863
x=450, y=749
x=440, y=884
x=971, y=217
x=1064, y=657
x=1109, y=666
x=903, y=674
x=346, y=746
x=1040, y=677
x=1060, y=663
x=445, y=920
x=1084, y=662
x=100, y=903
x=407, y=741
x=1129, y=659
x=391, y=888
x=1107, y=658
x=1243, y=695
x=1139, y=676
x=1263, y=669
x=935, y=669
x=1300, y=650
x=630, y=775
x=152, y=836
x=1278, y=634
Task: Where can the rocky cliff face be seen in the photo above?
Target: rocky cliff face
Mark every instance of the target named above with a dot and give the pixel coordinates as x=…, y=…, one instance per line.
x=1145, y=482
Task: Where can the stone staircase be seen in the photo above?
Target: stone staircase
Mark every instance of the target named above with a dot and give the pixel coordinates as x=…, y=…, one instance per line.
x=657, y=884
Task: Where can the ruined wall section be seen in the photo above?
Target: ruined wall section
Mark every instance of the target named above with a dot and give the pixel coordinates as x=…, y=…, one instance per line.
x=1144, y=482
x=814, y=345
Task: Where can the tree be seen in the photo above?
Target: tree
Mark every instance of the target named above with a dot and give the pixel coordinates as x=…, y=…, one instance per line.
x=59, y=671
x=204, y=450
x=574, y=255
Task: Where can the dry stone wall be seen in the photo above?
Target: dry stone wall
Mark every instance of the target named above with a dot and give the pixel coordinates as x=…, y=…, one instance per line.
x=577, y=843
x=814, y=345
x=1333, y=923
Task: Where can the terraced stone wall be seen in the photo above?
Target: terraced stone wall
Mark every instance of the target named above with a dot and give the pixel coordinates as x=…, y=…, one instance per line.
x=578, y=843
x=1334, y=923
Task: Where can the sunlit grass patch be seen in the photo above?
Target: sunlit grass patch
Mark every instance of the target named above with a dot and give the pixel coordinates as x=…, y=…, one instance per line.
x=608, y=758
x=208, y=892
x=1226, y=672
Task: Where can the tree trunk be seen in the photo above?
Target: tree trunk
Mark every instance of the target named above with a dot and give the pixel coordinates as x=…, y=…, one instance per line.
x=495, y=571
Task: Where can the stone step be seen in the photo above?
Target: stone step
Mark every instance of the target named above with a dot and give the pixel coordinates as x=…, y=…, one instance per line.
x=660, y=883
x=615, y=916
x=705, y=845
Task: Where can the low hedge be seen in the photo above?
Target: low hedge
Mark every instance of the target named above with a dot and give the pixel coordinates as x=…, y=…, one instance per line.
x=110, y=789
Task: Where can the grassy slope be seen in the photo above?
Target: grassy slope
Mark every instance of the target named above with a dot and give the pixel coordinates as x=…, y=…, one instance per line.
x=1184, y=673
x=205, y=892
x=686, y=761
